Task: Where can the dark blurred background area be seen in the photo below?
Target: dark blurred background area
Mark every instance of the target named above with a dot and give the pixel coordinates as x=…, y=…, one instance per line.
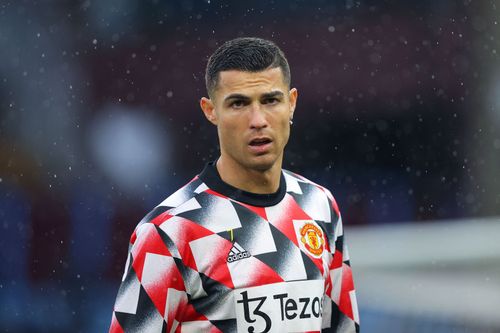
x=398, y=115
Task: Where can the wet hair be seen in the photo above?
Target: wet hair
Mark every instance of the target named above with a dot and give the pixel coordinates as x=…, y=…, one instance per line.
x=246, y=54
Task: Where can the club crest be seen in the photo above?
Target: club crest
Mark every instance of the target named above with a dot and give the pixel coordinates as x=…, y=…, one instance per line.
x=312, y=238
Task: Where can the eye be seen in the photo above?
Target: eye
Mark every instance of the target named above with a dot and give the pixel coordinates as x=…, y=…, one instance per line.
x=237, y=104
x=271, y=101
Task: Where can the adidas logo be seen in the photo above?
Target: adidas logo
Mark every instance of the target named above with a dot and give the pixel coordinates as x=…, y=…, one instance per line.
x=237, y=253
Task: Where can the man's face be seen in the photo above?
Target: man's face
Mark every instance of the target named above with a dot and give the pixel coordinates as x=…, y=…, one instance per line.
x=252, y=112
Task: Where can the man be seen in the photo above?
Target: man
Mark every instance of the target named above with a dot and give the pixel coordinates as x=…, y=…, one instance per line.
x=245, y=246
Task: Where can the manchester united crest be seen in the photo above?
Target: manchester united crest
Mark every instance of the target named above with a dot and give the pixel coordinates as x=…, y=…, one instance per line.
x=312, y=239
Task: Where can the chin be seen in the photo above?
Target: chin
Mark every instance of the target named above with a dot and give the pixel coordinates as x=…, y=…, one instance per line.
x=263, y=163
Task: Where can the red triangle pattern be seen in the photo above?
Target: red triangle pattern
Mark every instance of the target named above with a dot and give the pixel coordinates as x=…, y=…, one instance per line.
x=212, y=192
x=261, y=211
x=262, y=274
x=115, y=326
x=169, y=277
x=190, y=313
x=337, y=260
x=160, y=219
x=148, y=242
x=176, y=313
x=284, y=223
x=347, y=285
x=186, y=231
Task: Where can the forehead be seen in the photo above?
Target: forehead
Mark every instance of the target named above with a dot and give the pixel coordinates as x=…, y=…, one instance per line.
x=234, y=81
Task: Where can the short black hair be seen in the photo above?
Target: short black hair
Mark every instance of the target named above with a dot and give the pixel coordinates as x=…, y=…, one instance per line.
x=248, y=54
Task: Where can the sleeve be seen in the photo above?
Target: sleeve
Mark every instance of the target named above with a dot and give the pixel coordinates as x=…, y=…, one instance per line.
x=340, y=311
x=152, y=293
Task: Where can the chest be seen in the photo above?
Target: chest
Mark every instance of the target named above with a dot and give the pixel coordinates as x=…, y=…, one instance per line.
x=260, y=253
x=233, y=245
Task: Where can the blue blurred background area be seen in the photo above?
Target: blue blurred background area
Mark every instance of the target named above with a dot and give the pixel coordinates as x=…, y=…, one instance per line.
x=398, y=115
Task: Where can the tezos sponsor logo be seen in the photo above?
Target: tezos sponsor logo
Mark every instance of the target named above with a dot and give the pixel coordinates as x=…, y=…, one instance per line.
x=281, y=307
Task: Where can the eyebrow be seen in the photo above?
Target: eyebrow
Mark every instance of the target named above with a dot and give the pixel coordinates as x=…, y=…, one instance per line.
x=236, y=96
x=271, y=94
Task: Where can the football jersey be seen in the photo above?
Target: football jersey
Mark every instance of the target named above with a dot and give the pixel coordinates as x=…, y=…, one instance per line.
x=213, y=258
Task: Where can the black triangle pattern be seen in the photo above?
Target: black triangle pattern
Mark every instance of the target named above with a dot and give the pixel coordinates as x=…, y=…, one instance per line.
x=216, y=296
x=146, y=315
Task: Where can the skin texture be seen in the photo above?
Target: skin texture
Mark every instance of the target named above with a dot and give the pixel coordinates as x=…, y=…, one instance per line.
x=246, y=107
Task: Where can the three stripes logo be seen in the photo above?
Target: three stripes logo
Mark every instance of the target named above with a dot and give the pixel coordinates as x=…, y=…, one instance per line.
x=237, y=253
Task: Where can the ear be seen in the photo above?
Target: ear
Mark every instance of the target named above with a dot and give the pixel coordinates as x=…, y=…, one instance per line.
x=292, y=95
x=208, y=108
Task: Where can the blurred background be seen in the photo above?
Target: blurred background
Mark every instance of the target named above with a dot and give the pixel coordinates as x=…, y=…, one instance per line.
x=398, y=114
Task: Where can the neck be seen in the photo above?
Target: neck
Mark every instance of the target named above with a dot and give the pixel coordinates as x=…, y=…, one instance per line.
x=250, y=180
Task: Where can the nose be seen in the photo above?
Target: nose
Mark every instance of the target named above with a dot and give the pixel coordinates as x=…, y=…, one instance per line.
x=258, y=117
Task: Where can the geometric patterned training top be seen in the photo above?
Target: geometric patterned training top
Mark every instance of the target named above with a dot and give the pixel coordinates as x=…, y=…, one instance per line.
x=212, y=258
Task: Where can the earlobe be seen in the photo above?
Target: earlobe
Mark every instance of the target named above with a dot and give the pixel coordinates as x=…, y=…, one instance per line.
x=208, y=109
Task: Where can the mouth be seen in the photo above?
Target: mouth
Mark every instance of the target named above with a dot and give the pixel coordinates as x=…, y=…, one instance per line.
x=257, y=142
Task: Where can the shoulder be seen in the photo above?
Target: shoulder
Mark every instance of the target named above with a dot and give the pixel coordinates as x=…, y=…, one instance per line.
x=176, y=200
x=299, y=185
x=293, y=179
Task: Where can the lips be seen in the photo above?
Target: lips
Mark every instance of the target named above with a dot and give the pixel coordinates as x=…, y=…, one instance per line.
x=260, y=141
x=260, y=145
